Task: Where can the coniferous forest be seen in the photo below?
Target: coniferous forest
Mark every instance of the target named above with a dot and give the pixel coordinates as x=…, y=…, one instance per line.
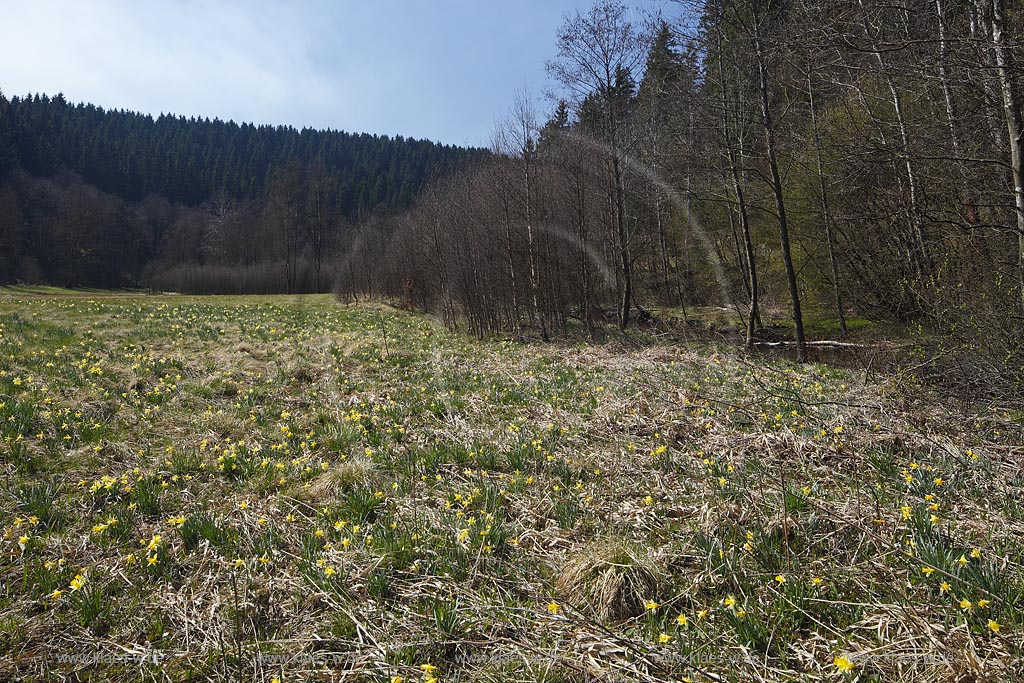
x=97, y=198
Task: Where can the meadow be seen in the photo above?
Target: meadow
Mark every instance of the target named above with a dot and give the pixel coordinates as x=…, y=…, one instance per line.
x=289, y=489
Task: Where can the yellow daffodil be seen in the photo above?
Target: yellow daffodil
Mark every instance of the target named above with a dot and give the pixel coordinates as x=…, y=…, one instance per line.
x=843, y=663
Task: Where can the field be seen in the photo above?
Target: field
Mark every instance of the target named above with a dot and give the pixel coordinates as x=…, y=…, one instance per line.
x=275, y=488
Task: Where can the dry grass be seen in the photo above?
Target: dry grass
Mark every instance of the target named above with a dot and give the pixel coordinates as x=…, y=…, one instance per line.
x=610, y=579
x=328, y=508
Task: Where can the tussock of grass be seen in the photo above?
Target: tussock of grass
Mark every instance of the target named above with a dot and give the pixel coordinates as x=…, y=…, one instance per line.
x=610, y=580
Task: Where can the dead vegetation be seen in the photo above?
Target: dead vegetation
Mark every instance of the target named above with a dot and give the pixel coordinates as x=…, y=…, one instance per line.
x=283, y=497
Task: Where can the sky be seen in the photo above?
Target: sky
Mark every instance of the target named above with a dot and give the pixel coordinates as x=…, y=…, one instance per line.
x=443, y=70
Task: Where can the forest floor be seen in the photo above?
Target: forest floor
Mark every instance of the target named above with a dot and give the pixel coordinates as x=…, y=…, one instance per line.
x=261, y=488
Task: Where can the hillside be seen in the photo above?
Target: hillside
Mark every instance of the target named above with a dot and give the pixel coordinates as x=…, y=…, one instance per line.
x=120, y=180
x=188, y=160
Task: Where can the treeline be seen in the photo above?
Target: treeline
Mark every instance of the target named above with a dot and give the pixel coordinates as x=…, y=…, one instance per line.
x=90, y=197
x=828, y=159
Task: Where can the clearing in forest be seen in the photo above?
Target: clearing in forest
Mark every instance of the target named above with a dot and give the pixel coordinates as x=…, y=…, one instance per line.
x=260, y=488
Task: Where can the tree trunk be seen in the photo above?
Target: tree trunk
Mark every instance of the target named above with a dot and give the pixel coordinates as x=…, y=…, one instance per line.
x=531, y=247
x=780, y=204
x=623, y=244
x=621, y=233
x=753, y=313
x=826, y=215
x=1014, y=128
x=511, y=264
x=947, y=93
x=922, y=252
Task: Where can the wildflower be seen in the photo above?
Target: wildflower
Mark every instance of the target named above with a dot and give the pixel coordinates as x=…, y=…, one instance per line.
x=553, y=607
x=428, y=668
x=927, y=571
x=56, y=594
x=943, y=587
x=965, y=604
x=780, y=579
x=238, y=562
x=651, y=605
x=664, y=638
x=729, y=601
x=151, y=560
x=843, y=663
x=993, y=625
x=77, y=582
x=976, y=553
x=816, y=581
x=963, y=561
x=23, y=541
x=329, y=571
x=682, y=620
x=983, y=603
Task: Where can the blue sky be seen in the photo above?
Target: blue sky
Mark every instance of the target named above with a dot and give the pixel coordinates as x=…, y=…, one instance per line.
x=444, y=70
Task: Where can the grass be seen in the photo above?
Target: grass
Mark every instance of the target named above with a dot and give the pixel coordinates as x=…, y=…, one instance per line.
x=250, y=488
x=50, y=291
